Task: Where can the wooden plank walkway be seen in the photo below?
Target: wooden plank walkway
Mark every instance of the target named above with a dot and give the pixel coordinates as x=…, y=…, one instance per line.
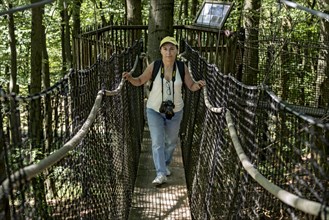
x=166, y=202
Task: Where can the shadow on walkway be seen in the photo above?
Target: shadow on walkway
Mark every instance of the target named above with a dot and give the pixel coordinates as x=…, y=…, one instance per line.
x=166, y=202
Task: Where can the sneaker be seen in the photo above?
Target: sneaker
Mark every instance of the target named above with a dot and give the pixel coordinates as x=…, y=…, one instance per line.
x=168, y=173
x=160, y=179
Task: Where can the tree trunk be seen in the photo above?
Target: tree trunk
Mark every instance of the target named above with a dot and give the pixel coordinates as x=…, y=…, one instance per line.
x=36, y=71
x=66, y=38
x=15, y=137
x=76, y=17
x=68, y=48
x=185, y=8
x=75, y=31
x=194, y=7
x=12, y=42
x=251, y=25
x=134, y=16
x=160, y=25
x=64, y=59
x=4, y=203
x=322, y=80
x=35, y=117
x=48, y=130
x=134, y=12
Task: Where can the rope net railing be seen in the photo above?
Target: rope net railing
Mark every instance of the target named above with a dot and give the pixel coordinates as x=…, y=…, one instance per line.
x=247, y=154
x=83, y=162
x=287, y=147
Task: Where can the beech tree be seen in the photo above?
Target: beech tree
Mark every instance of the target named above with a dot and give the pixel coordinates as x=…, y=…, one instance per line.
x=66, y=37
x=76, y=11
x=134, y=15
x=35, y=117
x=322, y=78
x=13, y=87
x=251, y=24
x=134, y=12
x=161, y=21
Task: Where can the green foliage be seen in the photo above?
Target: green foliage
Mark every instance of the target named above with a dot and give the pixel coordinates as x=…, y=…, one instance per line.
x=52, y=22
x=145, y=11
x=91, y=12
x=275, y=19
x=5, y=52
x=68, y=190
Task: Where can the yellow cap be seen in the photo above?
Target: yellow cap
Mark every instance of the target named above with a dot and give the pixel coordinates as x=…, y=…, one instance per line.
x=169, y=39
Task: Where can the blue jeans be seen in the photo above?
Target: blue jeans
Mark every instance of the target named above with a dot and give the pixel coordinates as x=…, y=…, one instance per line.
x=164, y=135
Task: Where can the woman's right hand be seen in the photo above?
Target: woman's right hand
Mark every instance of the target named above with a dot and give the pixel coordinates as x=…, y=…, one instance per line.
x=126, y=75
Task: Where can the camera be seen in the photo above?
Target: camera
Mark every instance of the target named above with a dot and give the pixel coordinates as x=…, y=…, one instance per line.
x=167, y=107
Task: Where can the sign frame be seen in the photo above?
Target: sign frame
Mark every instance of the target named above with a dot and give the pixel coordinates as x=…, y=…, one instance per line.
x=213, y=14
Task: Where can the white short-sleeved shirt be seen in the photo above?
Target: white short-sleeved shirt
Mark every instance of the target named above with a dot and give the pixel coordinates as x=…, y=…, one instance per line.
x=155, y=97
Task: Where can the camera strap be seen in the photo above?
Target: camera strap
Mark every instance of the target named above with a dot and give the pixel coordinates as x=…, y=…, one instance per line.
x=173, y=78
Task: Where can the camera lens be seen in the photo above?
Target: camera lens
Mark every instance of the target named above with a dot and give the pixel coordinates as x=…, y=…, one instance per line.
x=169, y=115
x=167, y=108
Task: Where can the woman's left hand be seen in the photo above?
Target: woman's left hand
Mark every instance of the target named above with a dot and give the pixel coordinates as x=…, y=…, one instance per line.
x=199, y=84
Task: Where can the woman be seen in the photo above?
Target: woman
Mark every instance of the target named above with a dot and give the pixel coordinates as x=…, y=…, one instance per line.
x=165, y=104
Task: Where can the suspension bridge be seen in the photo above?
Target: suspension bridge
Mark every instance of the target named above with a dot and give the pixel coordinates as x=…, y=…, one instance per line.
x=246, y=154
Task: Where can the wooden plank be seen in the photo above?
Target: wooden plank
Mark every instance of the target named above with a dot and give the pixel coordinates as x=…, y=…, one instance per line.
x=168, y=201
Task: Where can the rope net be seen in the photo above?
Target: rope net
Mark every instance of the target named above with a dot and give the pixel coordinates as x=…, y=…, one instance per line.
x=94, y=179
x=100, y=132
x=287, y=143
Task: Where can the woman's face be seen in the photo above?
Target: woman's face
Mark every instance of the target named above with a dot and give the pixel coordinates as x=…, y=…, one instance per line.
x=169, y=51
